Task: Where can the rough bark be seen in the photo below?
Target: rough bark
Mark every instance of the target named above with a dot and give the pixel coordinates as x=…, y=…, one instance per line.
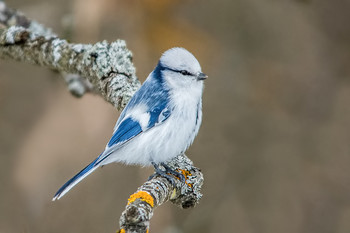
x=139, y=210
x=107, y=69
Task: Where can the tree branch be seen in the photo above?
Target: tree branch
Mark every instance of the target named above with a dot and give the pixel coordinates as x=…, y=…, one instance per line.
x=107, y=69
x=107, y=66
x=153, y=193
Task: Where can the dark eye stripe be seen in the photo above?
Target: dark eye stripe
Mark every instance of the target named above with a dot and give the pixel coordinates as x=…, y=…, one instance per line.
x=183, y=72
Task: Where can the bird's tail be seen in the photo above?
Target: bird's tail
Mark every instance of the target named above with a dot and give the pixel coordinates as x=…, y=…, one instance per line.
x=76, y=179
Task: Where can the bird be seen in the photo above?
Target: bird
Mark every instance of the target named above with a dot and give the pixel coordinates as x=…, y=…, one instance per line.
x=160, y=121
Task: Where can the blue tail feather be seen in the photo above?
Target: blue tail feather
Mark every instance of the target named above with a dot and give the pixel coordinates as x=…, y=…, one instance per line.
x=76, y=179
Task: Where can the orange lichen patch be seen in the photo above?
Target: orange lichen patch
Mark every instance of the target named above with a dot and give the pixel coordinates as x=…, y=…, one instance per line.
x=144, y=196
x=186, y=174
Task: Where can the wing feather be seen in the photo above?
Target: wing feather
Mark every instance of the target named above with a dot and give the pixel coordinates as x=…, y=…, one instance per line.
x=127, y=129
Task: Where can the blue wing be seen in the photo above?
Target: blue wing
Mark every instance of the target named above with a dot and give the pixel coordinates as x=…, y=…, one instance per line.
x=152, y=93
x=127, y=129
x=130, y=128
x=156, y=99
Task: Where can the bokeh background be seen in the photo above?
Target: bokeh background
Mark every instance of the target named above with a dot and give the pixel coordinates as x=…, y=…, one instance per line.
x=274, y=144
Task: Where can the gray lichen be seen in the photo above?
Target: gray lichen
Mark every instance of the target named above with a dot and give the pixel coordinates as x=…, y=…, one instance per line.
x=13, y=35
x=77, y=85
x=107, y=66
x=40, y=29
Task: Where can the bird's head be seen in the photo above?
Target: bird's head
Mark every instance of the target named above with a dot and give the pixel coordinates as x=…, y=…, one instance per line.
x=181, y=69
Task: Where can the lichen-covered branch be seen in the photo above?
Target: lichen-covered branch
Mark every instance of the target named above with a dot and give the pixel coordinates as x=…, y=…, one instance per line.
x=107, y=69
x=107, y=66
x=153, y=193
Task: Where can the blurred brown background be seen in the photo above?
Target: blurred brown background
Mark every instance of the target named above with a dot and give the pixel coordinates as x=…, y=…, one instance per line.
x=274, y=143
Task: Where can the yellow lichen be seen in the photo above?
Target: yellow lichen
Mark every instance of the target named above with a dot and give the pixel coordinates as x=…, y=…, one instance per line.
x=123, y=231
x=173, y=194
x=144, y=196
x=186, y=174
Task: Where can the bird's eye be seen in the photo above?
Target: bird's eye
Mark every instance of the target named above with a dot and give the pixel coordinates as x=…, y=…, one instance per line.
x=185, y=72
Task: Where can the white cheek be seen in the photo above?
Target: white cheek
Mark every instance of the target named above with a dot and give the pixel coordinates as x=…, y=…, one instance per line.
x=178, y=81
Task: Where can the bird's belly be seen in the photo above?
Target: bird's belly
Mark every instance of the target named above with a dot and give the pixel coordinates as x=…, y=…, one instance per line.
x=158, y=144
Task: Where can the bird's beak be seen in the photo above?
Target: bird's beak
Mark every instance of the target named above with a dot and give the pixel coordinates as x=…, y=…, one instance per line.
x=201, y=76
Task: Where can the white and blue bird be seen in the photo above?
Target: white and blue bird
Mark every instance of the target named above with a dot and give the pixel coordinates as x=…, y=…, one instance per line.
x=160, y=121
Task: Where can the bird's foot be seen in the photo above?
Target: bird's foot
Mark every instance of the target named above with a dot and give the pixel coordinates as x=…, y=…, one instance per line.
x=174, y=173
x=169, y=173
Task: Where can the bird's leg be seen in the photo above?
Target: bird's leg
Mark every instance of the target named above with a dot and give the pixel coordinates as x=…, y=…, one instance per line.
x=162, y=173
x=157, y=171
x=165, y=174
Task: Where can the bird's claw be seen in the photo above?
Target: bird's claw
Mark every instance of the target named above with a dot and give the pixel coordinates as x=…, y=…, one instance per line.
x=173, y=172
x=166, y=173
